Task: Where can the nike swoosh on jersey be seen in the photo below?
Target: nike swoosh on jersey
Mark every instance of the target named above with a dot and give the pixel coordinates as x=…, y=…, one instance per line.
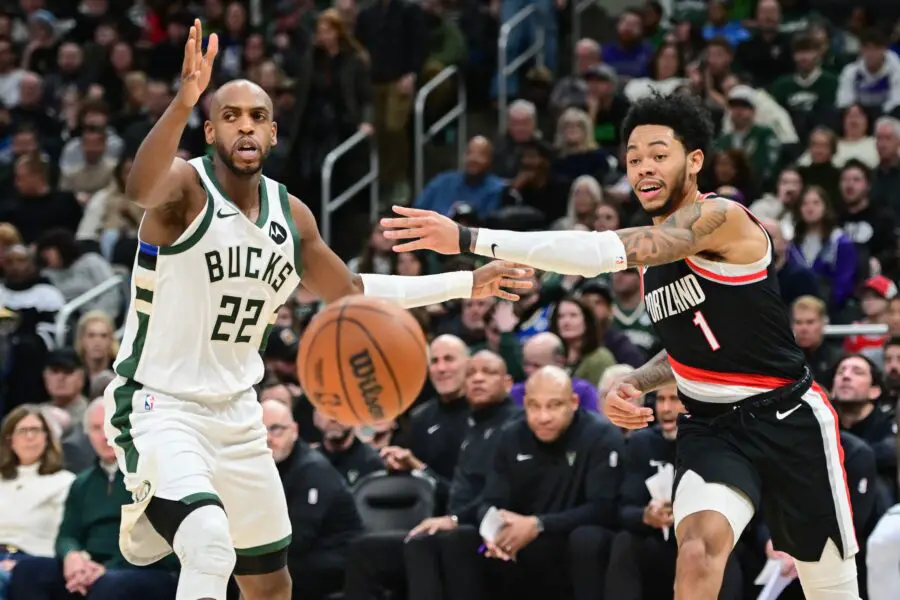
x=222, y=215
x=521, y=457
x=783, y=415
x=494, y=250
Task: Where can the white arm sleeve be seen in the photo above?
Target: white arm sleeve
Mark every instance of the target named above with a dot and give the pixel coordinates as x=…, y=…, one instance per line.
x=410, y=292
x=585, y=253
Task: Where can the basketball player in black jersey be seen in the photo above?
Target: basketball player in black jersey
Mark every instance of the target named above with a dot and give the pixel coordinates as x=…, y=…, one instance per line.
x=758, y=433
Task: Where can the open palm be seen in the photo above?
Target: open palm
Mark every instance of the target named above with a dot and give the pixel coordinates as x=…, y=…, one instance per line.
x=196, y=70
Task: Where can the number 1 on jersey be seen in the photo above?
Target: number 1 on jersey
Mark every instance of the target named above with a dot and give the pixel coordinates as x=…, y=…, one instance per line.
x=700, y=321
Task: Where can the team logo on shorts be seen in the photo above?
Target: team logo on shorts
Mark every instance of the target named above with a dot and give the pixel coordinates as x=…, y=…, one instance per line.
x=149, y=401
x=143, y=492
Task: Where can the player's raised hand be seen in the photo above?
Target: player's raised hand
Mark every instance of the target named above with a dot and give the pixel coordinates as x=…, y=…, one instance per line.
x=196, y=70
x=498, y=277
x=621, y=408
x=425, y=230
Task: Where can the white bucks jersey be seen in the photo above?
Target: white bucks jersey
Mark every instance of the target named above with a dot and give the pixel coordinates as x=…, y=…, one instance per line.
x=202, y=308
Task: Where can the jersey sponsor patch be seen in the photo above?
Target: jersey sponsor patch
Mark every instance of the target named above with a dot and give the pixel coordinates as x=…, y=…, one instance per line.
x=277, y=233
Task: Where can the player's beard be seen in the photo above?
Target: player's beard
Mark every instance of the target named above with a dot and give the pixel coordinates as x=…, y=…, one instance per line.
x=676, y=193
x=245, y=172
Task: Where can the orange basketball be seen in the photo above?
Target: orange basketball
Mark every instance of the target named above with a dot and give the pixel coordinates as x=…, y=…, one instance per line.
x=362, y=360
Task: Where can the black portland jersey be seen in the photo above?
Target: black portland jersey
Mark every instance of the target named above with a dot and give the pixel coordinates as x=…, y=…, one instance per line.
x=725, y=327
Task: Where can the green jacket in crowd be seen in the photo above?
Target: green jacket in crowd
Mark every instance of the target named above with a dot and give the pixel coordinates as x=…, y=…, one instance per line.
x=762, y=147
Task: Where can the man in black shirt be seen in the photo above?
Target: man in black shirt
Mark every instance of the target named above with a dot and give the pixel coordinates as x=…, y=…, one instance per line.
x=808, y=317
x=375, y=557
x=431, y=440
x=857, y=388
x=642, y=565
x=488, y=386
x=555, y=480
x=322, y=511
x=346, y=453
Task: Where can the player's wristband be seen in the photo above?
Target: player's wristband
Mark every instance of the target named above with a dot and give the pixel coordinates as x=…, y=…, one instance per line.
x=465, y=239
x=585, y=253
x=410, y=292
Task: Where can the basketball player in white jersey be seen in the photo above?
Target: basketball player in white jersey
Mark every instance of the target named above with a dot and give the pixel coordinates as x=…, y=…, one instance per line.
x=222, y=247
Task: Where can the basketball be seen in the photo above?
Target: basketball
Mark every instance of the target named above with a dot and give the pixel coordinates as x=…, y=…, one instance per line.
x=362, y=360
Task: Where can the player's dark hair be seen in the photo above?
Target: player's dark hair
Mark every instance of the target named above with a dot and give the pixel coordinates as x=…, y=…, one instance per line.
x=684, y=114
x=894, y=341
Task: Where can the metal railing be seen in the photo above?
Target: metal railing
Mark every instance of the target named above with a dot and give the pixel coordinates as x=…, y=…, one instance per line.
x=329, y=204
x=458, y=112
x=60, y=327
x=505, y=68
x=855, y=329
x=578, y=7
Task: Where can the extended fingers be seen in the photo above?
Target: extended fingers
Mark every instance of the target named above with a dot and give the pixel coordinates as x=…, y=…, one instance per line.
x=516, y=284
x=419, y=244
x=212, y=48
x=408, y=211
x=403, y=234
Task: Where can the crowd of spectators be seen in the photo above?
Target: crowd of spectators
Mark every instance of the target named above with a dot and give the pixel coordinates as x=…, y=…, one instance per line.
x=808, y=109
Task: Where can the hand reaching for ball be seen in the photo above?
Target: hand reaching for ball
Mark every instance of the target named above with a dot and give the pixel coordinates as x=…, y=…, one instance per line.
x=498, y=277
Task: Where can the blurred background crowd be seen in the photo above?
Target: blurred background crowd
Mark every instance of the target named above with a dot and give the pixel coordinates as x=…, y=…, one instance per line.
x=806, y=98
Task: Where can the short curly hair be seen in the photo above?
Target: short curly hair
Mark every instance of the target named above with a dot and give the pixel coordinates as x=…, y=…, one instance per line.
x=683, y=113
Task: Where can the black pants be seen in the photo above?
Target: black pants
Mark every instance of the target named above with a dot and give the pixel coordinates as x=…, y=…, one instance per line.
x=316, y=576
x=40, y=578
x=447, y=566
x=374, y=562
x=643, y=568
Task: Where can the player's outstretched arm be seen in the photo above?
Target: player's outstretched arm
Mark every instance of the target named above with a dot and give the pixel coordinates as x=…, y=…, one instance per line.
x=157, y=176
x=705, y=225
x=328, y=277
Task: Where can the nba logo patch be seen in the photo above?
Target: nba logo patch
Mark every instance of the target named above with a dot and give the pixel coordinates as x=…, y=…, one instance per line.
x=149, y=401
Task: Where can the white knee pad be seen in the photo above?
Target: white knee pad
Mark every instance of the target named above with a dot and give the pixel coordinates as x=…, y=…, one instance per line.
x=830, y=578
x=695, y=494
x=883, y=557
x=203, y=545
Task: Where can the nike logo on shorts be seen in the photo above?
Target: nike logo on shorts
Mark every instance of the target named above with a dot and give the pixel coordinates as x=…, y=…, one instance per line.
x=521, y=457
x=222, y=215
x=783, y=415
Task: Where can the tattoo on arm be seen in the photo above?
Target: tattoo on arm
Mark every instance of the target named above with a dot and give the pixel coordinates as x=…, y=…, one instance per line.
x=654, y=374
x=684, y=233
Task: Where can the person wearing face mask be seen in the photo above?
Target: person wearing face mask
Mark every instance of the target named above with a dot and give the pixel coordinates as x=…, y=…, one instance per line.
x=321, y=508
x=351, y=457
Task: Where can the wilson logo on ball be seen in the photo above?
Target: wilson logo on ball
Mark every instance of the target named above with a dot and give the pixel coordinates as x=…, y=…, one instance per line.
x=364, y=371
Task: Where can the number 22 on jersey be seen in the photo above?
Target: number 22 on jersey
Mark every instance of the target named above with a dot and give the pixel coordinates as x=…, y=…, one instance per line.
x=700, y=321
